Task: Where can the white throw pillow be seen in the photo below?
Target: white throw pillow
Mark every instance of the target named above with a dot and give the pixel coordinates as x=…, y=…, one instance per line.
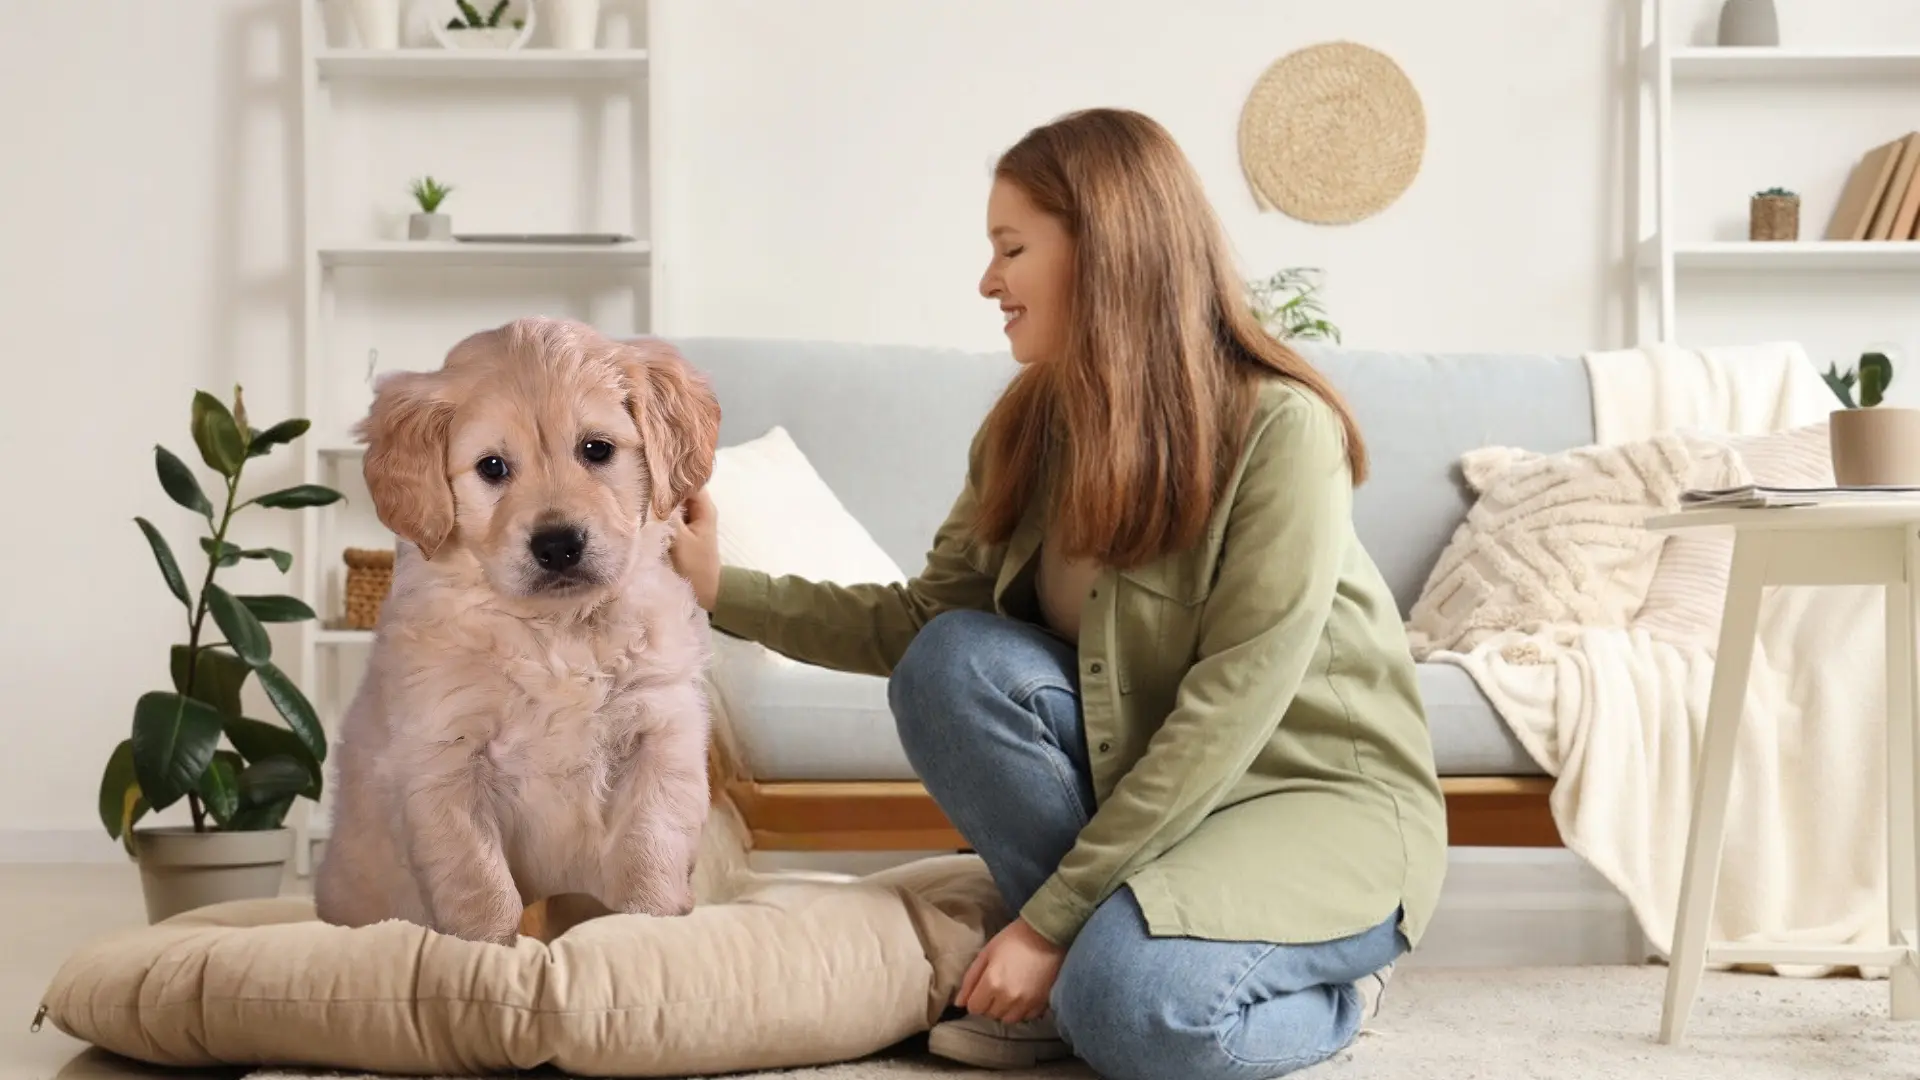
x=777, y=515
x=1552, y=538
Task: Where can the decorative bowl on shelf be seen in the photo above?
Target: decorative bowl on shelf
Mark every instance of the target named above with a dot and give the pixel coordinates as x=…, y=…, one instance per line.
x=498, y=25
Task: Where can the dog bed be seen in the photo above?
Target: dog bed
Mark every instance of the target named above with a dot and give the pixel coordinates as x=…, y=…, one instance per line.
x=787, y=972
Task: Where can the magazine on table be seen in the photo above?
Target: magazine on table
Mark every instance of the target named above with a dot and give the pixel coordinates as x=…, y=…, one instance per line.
x=1764, y=496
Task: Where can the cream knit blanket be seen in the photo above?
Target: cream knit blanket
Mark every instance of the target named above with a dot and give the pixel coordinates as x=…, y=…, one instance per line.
x=1614, y=707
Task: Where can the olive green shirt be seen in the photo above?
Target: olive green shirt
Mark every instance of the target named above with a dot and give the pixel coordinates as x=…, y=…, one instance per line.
x=1260, y=754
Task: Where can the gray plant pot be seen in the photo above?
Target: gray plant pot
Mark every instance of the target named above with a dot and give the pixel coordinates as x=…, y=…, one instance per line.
x=429, y=227
x=181, y=869
x=1749, y=23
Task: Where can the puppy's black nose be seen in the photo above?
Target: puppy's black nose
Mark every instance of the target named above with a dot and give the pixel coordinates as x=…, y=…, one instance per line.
x=558, y=547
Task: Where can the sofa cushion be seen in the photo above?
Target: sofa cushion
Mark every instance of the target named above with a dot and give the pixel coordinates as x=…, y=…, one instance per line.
x=786, y=720
x=1420, y=412
x=792, y=721
x=1469, y=738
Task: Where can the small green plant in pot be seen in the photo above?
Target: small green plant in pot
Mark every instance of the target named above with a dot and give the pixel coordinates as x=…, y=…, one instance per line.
x=1873, y=444
x=238, y=775
x=428, y=223
x=479, y=24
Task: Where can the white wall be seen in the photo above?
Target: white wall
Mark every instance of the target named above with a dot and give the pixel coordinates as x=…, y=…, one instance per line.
x=837, y=155
x=826, y=175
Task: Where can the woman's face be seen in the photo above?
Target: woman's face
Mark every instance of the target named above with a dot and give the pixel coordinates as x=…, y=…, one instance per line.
x=1031, y=273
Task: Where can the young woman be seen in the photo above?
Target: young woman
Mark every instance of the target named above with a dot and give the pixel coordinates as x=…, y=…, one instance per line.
x=1148, y=671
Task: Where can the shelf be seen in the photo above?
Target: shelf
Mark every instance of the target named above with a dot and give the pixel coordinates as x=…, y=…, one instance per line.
x=1870, y=255
x=1743, y=64
x=429, y=253
x=336, y=451
x=342, y=638
x=479, y=64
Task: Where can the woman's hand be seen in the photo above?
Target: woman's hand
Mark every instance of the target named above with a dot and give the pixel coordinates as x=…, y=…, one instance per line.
x=1012, y=977
x=696, y=547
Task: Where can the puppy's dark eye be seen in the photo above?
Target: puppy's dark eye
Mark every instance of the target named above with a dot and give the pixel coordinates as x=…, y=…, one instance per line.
x=491, y=468
x=596, y=450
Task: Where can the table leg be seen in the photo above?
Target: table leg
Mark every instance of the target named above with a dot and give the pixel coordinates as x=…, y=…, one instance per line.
x=1903, y=879
x=1713, y=781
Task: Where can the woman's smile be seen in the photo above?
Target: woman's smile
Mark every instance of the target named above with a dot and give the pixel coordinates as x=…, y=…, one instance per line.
x=1030, y=274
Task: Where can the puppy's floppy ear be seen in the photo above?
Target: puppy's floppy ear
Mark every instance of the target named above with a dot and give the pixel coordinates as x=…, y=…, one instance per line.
x=406, y=462
x=678, y=416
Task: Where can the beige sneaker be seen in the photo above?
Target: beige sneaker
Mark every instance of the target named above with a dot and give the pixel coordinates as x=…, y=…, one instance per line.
x=987, y=1043
x=1372, y=988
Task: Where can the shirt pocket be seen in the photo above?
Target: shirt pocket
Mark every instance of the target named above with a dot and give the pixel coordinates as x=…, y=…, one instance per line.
x=1161, y=604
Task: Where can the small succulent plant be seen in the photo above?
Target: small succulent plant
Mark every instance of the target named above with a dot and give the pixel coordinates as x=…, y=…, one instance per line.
x=1873, y=374
x=471, y=19
x=1775, y=193
x=429, y=193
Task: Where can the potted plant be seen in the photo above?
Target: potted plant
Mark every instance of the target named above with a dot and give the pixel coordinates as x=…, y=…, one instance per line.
x=428, y=223
x=1773, y=214
x=470, y=28
x=238, y=775
x=1288, y=305
x=1873, y=444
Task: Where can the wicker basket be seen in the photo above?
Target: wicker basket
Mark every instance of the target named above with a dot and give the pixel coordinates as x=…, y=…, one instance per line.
x=369, y=576
x=1774, y=217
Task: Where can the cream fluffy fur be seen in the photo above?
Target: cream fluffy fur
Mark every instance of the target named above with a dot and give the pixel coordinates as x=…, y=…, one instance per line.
x=522, y=732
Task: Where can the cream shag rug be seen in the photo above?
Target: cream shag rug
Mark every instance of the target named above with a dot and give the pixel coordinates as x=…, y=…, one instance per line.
x=1586, y=1023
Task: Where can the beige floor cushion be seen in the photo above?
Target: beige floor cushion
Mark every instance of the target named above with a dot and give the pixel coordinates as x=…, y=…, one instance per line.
x=785, y=973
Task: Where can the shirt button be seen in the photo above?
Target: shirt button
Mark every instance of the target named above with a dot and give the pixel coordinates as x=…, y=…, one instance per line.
x=1094, y=667
x=1105, y=746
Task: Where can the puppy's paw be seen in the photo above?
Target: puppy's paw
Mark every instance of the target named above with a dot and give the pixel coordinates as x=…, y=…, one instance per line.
x=661, y=899
x=490, y=920
x=483, y=933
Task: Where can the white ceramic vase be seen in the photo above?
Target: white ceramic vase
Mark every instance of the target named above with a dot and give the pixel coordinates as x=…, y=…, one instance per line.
x=377, y=22
x=1749, y=24
x=576, y=23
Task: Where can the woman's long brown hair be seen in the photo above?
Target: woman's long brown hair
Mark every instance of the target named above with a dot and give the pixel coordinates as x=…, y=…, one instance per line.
x=1141, y=420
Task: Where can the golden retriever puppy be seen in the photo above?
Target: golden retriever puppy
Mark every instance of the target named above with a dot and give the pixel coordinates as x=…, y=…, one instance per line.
x=532, y=721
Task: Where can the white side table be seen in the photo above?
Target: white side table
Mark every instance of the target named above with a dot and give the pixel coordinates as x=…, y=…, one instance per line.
x=1833, y=544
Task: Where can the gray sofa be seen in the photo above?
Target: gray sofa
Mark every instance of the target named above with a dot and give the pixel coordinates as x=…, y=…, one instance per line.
x=887, y=427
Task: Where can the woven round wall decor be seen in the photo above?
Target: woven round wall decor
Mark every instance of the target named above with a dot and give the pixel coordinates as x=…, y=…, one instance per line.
x=1332, y=134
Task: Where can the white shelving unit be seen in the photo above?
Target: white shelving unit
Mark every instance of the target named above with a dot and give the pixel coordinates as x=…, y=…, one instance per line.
x=427, y=253
x=1665, y=65
x=324, y=256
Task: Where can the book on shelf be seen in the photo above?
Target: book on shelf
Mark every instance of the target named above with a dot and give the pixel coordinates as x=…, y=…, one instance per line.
x=1881, y=199
x=1760, y=496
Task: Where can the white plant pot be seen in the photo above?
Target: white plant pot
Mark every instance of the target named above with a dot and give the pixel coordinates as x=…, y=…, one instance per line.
x=377, y=22
x=504, y=36
x=421, y=226
x=181, y=870
x=576, y=23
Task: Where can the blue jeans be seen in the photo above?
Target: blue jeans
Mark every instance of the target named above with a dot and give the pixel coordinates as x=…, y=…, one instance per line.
x=988, y=710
